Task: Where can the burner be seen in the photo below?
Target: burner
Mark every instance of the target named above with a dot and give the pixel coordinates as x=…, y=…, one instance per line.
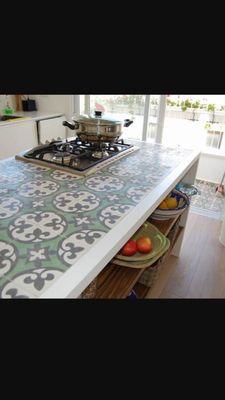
x=61, y=154
x=66, y=147
x=61, y=157
x=100, y=154
x=78, y=155
x=80, y=150
x=115, y=148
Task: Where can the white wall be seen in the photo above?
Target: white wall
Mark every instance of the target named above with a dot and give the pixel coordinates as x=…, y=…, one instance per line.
x=55, y=103
x=211, y=167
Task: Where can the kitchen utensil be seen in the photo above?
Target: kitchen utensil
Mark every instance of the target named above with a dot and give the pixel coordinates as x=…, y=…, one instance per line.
x=96, y=127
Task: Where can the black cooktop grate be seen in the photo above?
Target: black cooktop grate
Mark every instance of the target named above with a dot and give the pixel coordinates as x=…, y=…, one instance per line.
x=76, y=154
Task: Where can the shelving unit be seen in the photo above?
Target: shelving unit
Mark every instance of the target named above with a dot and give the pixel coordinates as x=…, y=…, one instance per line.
x=143, y=291
x=164, y=226
x=116, y=282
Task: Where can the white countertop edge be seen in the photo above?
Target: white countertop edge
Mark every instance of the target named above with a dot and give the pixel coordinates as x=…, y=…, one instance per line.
x=38, y=115
x=17, y=121
x=72, y=283
x=31, y=116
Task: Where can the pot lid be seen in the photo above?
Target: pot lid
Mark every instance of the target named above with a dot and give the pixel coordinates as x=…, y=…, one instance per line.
x=97, y=118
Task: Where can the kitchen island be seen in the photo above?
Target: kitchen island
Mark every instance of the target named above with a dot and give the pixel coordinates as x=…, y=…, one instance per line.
x=58, y=231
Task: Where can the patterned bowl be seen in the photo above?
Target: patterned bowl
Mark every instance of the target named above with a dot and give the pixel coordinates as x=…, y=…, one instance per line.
x=189, y=190
x=183, y=203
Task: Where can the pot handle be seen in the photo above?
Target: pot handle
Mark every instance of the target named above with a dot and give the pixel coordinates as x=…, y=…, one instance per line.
x=127, y=122
x=71, y=126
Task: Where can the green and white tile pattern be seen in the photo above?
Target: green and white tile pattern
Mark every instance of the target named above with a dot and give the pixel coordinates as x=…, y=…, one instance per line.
x=48, y=218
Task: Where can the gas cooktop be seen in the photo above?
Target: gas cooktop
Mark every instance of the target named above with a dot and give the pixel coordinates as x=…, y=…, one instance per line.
x=76, y=156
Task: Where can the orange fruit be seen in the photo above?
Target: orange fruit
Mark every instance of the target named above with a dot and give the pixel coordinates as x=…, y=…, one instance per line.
x=171, y=202
x=163, y=205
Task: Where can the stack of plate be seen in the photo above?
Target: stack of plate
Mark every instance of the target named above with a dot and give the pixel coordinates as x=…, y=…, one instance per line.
x=167, y=213
x=160, y=245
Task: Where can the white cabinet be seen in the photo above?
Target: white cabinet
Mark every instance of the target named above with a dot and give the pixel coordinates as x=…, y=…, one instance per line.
x=51, y=128
x=17, y=137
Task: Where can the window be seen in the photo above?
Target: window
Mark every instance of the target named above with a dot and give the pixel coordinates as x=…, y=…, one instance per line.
x=142, y=109
x=82, y=104
x=122, y=107
x=195, y=122
x=214, y=136
x=153, y=118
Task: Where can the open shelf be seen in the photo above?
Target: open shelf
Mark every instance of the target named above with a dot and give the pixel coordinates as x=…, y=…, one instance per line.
x=141, y=290
x=164, y=226
x=116, y=282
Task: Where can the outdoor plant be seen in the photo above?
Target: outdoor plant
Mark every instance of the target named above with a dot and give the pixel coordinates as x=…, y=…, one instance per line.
x=211, y=107
x=170, y=102
x=196, y=104
x=185, y=104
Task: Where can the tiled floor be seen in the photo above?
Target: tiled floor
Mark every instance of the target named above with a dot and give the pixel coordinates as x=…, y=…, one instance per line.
x=209, y=202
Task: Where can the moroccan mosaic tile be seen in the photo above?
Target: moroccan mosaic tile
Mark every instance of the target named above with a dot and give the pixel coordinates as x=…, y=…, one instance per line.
x=50, y=218
x=208, y=199
x=9, y=290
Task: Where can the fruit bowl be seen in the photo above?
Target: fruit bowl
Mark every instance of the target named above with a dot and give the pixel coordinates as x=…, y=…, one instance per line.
x=167, y=213
x=158, y=242
x=188, y=189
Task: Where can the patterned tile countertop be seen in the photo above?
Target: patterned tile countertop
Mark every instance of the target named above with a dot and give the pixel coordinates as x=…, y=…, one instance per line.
x=49, y=218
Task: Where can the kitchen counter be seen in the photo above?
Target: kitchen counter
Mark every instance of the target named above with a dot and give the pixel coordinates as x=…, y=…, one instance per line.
x=58, y=230
x=31, y=116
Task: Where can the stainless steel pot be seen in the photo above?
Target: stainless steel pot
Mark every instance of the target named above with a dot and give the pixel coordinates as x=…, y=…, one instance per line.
x=97, y=127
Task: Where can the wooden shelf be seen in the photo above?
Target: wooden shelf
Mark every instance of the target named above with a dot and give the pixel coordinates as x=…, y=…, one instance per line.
x=116, y=282
x=164, y=226
x=142, y=290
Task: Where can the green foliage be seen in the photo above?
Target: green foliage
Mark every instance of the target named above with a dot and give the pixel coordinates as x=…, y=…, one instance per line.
x=134, y=101
x=196, y=104
x=211, y=107
x=170, y=102
x=183, y=107
x=207, y=125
